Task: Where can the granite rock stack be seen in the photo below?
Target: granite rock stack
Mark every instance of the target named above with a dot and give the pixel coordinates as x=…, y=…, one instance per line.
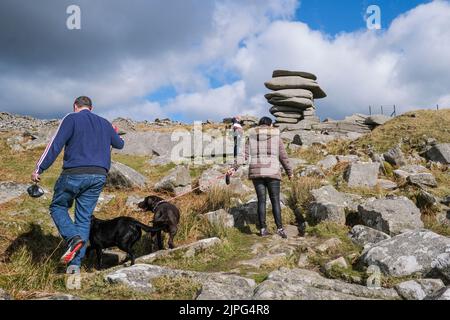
x=292, y=99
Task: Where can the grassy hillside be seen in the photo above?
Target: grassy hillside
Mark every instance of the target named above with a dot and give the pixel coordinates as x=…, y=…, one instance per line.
x=414, y=126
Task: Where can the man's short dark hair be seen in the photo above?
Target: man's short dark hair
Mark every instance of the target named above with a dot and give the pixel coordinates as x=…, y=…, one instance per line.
x=83, y=102
x=265, y=121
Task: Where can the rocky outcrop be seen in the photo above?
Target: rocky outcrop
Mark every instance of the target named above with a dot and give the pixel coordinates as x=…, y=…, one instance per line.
x=123, y=177
x=391, y=216
x=293, y=99
x=377, y=120
x=362, y=174
x=178, y=180
x=214, y=286
x=11, y=190
x=363, y=236
x=299, y=284
x=419, y=252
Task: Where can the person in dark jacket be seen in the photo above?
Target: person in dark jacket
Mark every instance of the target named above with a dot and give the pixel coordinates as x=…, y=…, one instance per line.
x=265, y=151
x=87, y=140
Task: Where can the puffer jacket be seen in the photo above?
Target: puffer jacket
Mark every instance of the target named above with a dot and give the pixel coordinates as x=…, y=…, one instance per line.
x=264, y=150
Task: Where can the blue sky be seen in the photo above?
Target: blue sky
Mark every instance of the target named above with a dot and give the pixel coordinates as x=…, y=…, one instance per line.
x=333, y=17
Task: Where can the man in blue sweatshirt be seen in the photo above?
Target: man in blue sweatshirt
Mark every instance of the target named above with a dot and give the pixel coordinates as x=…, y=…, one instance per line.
x=87, y=140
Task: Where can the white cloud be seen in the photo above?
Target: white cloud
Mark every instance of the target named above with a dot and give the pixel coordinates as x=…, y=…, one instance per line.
x=406, y=65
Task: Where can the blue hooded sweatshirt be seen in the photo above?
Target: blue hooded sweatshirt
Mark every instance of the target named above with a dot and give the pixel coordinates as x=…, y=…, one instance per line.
x=87, y=139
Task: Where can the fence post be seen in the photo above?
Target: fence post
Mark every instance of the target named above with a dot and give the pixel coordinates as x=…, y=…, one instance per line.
x=437, y=107
x=370, y=110
x=382, y=111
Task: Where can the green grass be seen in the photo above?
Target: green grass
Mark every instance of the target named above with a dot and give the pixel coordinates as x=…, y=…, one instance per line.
x=222, y=257
x=414, y=126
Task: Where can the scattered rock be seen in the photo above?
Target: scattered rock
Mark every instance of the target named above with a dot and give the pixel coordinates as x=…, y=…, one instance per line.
x=209, y=179
x=329, y=245
x=299, y=284
x=328, y=163
x=312, y=171
x=188, y=250
x=178, y=180
x=220, y=218
x=439, y=153
x=4, y=295
x=133, y=201
x=339, y=262
x=422, y=179
x=387, y=184
x=395, y=156
x=391, y=216
x=214, y=286
x=363, y=236
x=123, y=177
x=419, y=289
x=58, y=297
x=420, y=252
x=362, y=174
x=103, y=200
x=348, y=158
x=11, y=190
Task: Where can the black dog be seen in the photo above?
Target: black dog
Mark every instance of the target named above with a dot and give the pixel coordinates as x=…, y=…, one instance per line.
x=121, y=232
x=167, y=217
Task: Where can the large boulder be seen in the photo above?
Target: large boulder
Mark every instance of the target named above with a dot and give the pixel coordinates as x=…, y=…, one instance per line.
x=362, y=174
x=419, y=252
x=299, y=284
x=328, y=204
x=419, y=289
x=296, y=82
x=178, y=180
x=214, y=286
x=439, y=153
x=363, y=236
x=391, y=216
x=123, y=177
x=11, y=190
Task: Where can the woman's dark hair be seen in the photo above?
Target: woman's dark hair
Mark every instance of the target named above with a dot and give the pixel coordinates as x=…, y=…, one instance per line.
x=265, y=121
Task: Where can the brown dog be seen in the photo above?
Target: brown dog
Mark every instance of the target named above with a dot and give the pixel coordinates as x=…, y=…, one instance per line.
x=167, y=217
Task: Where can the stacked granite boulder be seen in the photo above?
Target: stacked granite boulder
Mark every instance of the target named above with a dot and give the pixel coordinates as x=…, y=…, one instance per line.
x=293, y=99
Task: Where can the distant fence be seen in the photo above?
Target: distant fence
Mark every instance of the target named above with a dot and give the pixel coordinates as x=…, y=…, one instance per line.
x=390, y=110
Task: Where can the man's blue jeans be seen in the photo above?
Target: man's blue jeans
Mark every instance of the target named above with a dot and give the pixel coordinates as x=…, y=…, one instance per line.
x=84, y=190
